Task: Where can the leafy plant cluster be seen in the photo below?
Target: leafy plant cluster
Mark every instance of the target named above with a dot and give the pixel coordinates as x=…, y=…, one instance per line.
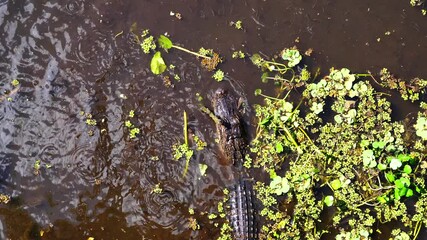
x=337, y=152
x=148, y=43
x=411, y=90
x=185, y=150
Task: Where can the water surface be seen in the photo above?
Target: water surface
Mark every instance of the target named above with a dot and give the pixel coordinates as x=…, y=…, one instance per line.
x=70, y=59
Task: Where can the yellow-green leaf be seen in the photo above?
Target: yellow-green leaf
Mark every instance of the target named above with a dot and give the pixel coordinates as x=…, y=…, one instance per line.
x=157, y=64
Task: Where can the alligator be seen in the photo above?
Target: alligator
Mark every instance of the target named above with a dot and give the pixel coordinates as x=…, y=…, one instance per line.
x=242, y=215
x=229, y=126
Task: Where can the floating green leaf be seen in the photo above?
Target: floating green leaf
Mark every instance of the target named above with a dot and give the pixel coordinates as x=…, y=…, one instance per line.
x=407, y=169
x=382, y=167
x=382, y=199
x=257, y=60
x=404, y=157
x=157, y=64
x=399, y=183
x=280, y=185
x=380, y=144
x=369, y=158
x=264, y=77
x=272, y=173
x=292, y=56
x=364, y=143
x=390, y=177
x=421, y=127
x=279, y=147
x=338, y=119
x=336, y=184
x=403, y=191
x=409, y=193
x=364, y=233
x=396, y=194
x=265, y=121
x=165, y=42
x=329, y=200
x=406, y=182
x=37, y=165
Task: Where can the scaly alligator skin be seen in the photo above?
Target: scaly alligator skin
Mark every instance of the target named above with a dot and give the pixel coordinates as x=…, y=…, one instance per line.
x=242, y=216
x=229, y=128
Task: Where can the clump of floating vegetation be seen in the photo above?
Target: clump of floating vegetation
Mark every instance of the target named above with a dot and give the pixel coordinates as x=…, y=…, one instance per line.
x=354, y=168
x=209, y=58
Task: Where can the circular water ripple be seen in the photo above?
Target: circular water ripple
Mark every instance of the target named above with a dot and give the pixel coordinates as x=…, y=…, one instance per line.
x=94, y=51
x=75, y=7
x=90, y=165
x=163, y=208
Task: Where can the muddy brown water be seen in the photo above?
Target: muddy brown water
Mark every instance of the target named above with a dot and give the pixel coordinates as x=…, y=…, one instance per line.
x=68, y=59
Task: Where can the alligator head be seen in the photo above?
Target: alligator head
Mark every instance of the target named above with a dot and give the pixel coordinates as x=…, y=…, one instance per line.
x=229, y=126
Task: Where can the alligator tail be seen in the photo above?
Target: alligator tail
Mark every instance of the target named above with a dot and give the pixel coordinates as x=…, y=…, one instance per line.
x=243, y=215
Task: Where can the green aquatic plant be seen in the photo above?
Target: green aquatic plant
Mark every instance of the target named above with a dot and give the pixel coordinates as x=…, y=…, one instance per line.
x=329, y=200
x=91, y=122
x=133, y=131
x=157, y=65
x=193, y=224
x=15, y=82
x=279, y=185
x=157, y=189
x=421, y=127
x=37, y=166
x=238, y=54
x=210, y=59
x=219, y=75
x=183, y=150
x=132, y=113
x=409, y=90
x=167, y=44
x=237, y=25
x=292, y=56
x=148, y=45
x=200, y=144
x=206, y=52
x=282, y=73
x=369, y=163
